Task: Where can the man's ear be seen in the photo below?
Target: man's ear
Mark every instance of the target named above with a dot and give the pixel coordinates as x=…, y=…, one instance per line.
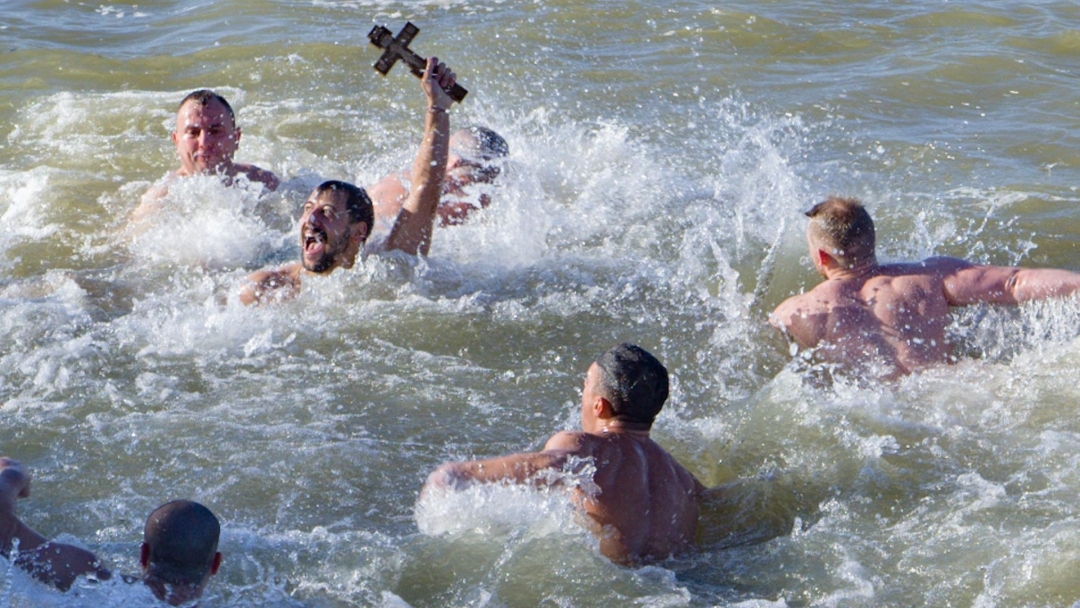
x=174, y=137
x=602, y=408
x=824, y=259
x=236, y=135
x=144, y=556
x=360, y=234
x=215, y=564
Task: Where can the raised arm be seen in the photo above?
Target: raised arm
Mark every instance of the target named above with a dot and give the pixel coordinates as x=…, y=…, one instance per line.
x=968, y=284
x=412, y=229
x=54, y=563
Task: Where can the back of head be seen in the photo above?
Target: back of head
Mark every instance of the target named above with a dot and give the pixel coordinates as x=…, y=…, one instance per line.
x=205, y=96
x=481, y=143
x=357, y=201
x=182, y=538
x=843, y=225
x=634, y=382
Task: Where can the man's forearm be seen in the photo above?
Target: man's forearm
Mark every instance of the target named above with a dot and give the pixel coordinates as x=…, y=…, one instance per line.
x=515, y=468
x=1038, y=283
x=412, y=229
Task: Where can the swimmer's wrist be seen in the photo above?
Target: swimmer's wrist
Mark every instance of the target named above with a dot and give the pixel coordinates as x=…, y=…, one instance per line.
x=438, y=110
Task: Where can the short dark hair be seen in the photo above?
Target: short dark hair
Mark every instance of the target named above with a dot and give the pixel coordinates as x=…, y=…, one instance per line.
x=183, y=538
x=357, y=202
x=203, y=97
x=490, y=144
x=483, y=148
x=844, y=224
x=633, y=381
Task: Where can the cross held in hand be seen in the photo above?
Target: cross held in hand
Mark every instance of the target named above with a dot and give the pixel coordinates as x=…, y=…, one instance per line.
x=398, y=48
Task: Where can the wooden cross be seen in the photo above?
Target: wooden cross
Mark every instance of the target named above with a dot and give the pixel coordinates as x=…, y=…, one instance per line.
x=398, y=48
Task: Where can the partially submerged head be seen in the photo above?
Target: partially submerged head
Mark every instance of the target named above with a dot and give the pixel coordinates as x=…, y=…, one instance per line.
x=335, y=222
x=842, y=228
x=474, y=155
x=206, y=135
x=631, y=380
x=179, y=549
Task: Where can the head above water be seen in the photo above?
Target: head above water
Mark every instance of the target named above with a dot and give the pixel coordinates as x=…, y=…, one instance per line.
x=206, y=135
x=843, y=228
x=334, y=224
x=474, y=152
x=180, y=542
x=633, y=381
x=204, y=97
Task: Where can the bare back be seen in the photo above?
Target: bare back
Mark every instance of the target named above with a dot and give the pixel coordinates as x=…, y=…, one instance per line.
x=647, y=504
x=895, y=316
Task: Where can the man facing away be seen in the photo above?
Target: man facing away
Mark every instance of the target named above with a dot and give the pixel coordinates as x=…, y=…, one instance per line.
x=337, y=217
x=645, y=505
x=890, y=320
x=474, y=152
x=206, y=138
x=178, y=554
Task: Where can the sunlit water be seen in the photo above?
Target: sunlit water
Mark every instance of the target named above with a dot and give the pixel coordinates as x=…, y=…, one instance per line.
x=661, y=154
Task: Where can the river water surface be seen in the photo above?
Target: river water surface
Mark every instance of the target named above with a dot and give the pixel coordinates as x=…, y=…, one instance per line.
x=661, y=154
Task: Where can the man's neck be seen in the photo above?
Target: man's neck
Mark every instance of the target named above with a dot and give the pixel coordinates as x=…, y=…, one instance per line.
x=174, y=595
x=623, y=427
x=861, y=270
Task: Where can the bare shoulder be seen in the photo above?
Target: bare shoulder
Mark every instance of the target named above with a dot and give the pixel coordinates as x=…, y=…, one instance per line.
x=258, y=174
x=943, y=266
x=803, y=317
x=391, y=189
x=569, y=441
x=814, y=301
x=271, y=284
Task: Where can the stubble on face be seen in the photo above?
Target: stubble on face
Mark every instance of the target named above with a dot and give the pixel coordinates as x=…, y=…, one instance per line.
x=205, y=137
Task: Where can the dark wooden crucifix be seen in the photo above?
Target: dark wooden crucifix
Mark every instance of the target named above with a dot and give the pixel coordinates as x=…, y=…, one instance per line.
x=398, y=48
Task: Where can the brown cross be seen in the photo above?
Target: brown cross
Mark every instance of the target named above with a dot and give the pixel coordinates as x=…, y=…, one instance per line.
x=398, y=48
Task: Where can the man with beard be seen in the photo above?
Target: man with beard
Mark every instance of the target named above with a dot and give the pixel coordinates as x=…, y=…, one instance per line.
x=178, y=554
x=337, y=217
x=475, y=152
x=206, y=138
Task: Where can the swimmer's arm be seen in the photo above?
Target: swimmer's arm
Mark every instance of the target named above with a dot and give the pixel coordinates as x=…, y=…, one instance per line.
x=514, y=468
x=57, y=564
x=258, y=174
x=969, y=284
x=414, y=224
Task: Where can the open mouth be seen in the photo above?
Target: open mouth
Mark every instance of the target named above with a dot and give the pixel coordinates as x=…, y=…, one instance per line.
x=314, y=242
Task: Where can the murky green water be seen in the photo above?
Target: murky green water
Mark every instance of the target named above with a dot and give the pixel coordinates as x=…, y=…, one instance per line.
x=661, y=154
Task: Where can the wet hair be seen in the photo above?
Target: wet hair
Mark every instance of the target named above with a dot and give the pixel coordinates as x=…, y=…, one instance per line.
x=357, y=202
x=845, y=225
x=484, y=147
x=204, y=97
x=633, y=381
x=489, y=144
x=183, y=538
